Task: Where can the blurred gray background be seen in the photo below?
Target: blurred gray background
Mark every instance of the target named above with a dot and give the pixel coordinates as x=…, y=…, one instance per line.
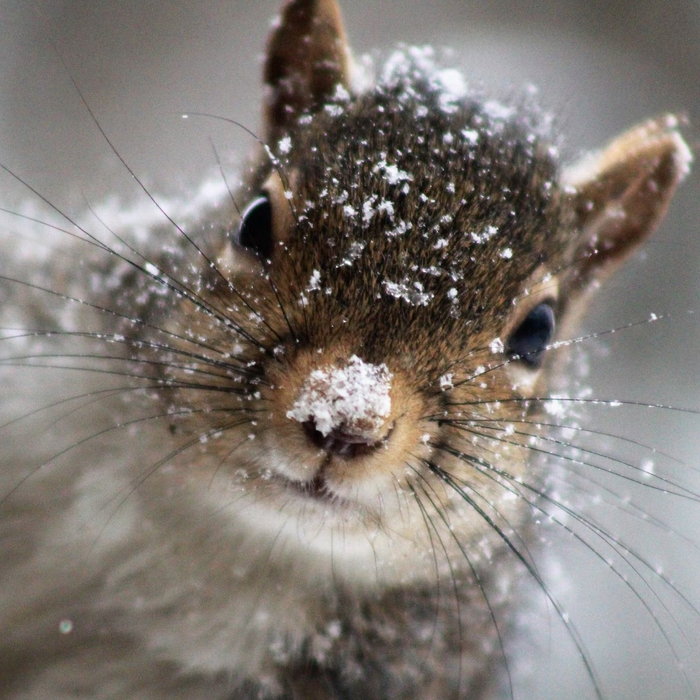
x=602, y=65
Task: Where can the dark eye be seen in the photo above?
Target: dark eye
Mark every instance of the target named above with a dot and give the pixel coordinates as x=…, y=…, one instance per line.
x=255, y=230
x=530, y=339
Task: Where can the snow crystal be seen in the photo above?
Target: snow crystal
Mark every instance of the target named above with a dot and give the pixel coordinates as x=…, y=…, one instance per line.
x=411, y=294
x=497, y=110
x=65, y=626
x=647, y=468
x=496, y=345
x=314, y=282
x=683, y=156
x=285, y=145
x=334, y=629
x=400, y=229
x=387, y=207
x=368, y=210
x=452, y=87
x=392, y=174
x=354, y=252
x=448, y=83
x=471, y=136
x=403, y=60
x=506, y=253
x=341, y=94
x=446, y=382
x=555, y=407
x=488, y=233
x=355, y=396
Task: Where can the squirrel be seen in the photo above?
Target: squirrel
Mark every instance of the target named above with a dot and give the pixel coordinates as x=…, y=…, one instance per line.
x=309, y=461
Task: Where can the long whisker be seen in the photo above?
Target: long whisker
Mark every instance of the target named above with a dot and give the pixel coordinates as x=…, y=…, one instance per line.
x=571, y=628
x=149, y=269
x=619, y=547
x=155, y=467
x=430, y=525
x=450, y=529
x=681, y=492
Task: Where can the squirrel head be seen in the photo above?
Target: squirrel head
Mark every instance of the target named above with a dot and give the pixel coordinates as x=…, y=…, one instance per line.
x=409, y=260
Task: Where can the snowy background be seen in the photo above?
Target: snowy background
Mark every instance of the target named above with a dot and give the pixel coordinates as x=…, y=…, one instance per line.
x=602, y=65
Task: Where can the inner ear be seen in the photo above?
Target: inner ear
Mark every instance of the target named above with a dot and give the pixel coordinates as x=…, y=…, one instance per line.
x=307, y=59
x=619, y=195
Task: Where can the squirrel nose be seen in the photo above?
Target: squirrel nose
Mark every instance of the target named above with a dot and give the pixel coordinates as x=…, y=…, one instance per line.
x=345, y=408
x=344, y=442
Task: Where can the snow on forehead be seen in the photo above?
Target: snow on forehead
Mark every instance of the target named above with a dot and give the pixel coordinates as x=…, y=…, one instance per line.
x=418, y=62
x=354, y=397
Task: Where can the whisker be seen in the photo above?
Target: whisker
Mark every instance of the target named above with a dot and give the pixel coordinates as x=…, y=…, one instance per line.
x=119, y=426
x=475, y=574
x=596, y=528
x=557, y=344
x=682, y=491
x=571, y=628
x=606, y=403
x=134, y=320
x=274, y=161
x=119, y=339
x=149, y=269
x=615, y=544
x=155, y=467
x=598, y=486
x=431, y=528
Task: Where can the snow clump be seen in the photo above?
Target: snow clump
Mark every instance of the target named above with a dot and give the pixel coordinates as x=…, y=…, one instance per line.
x=354, y=397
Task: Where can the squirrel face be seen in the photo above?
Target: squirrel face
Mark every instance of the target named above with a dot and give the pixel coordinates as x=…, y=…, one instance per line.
x=309, y=458
x=399, y=283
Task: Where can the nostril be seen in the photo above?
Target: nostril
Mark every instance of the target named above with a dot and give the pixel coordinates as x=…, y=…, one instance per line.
x=343, y=442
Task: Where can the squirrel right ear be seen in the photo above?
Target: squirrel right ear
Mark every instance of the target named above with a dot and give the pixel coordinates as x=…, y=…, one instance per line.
x=619, y=195
x=307, y=59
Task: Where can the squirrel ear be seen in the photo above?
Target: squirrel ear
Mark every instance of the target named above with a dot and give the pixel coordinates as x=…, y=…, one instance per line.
x=307, y=58
x=619, y=195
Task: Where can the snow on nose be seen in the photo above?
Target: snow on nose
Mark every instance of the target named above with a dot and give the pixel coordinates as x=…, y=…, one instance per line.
x=352, y=398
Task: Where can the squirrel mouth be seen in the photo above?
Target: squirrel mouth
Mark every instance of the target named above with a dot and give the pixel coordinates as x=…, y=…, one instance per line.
x=339, y=444
x=317, y=489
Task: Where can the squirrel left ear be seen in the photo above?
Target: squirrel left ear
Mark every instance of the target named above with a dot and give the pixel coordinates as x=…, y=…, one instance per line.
x=307, y=58
x=618, y=196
